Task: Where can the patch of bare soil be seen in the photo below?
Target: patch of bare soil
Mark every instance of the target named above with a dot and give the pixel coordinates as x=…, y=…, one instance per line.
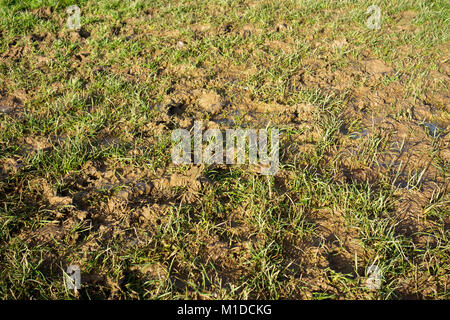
x=10, y=105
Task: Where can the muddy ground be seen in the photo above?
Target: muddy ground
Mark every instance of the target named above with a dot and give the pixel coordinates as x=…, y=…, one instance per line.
x=86, y=175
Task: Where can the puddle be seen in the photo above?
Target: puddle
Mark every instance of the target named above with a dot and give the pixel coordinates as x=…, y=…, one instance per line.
x=358, y=135
x=433, y=130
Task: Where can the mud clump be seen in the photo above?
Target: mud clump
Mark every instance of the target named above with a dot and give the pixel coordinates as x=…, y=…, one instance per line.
x=377, y=67
x=211, y=102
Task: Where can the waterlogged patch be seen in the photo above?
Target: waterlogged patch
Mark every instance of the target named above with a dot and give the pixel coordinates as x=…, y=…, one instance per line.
x=433, y=130
x=358, y=135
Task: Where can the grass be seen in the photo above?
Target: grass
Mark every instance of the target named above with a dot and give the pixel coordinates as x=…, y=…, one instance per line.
x=361, y=180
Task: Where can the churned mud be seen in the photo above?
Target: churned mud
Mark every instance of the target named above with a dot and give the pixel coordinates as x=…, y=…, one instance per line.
x=125, y=194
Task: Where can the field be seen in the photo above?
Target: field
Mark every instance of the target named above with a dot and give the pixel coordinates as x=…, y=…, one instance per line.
x=87, y=178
